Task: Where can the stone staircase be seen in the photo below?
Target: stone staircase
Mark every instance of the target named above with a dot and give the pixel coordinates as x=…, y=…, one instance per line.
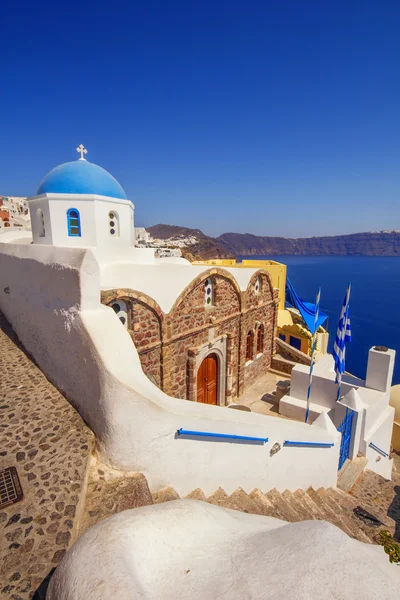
x=331, y=505
x=110, y=491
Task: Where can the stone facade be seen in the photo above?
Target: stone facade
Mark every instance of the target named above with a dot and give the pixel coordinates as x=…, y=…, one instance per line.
x=144, y=325
x=172, y=345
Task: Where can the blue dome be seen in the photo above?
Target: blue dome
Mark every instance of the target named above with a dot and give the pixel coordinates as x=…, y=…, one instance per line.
x=81, y=177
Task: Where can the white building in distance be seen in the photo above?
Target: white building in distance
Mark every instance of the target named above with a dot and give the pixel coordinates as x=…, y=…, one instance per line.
x=142, y=237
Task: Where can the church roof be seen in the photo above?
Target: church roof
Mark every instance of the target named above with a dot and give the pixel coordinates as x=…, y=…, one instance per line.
x=81, y=177
x=162, y=281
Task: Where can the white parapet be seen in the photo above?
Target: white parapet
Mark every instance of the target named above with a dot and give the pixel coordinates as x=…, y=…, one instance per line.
x=373, y=420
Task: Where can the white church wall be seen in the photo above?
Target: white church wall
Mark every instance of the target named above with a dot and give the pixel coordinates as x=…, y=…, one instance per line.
x=121, y=223
x=59, y=206
x=53, y=305
x=40, y=221
x=95, y=222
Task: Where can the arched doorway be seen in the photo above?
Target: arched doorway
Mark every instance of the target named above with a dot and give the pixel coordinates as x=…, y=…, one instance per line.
x=207, y=380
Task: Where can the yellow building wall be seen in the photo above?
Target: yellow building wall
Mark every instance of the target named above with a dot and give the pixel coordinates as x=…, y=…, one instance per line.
x=305, y=346
x=276, y=270
x=396, y=436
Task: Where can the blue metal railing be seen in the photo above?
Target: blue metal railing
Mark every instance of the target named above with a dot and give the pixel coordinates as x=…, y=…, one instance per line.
x=371, y=445
x=308, y=444
x=221, y=435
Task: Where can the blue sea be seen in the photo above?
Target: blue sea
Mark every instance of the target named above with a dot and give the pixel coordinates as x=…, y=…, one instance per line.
x=374, y=303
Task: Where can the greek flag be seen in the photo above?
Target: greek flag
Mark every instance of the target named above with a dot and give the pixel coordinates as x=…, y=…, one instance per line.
x=343, y=335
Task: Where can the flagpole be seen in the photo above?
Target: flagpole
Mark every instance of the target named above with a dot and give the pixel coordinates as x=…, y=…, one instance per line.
x=343, y=333
x=313, y=348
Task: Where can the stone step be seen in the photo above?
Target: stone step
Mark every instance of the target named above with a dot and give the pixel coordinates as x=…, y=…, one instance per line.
x=197, y=494
x=108, y=497
x=347, y=516
x=332, y=515
x=264, y=505
x=350, y=473
x=313, y=509
x=372, y=532
x=301, y=511
x=350, y=526
x=282, y=508
x=218, y=497
x=332, y=505
x=371, y=499
x=243, y=501
x=379, y=496
x=165, y=495
x=349, y=504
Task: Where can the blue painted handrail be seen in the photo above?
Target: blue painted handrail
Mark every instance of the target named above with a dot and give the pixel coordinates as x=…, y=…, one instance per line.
x=371, y=445
x=312, y=444
x=221, y=435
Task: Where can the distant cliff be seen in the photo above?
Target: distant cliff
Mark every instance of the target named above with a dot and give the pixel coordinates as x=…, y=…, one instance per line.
x=381, y=243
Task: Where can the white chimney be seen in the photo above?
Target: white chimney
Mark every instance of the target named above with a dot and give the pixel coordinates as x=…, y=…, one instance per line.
x=380, y=368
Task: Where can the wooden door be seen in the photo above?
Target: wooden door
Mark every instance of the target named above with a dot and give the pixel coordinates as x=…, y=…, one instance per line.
x=207, y=380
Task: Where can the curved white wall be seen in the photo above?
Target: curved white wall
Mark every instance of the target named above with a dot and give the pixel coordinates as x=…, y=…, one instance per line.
x=187, y=549
x=54, y=307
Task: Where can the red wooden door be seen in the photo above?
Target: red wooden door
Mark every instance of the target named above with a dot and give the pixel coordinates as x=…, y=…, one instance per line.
x=207, y=380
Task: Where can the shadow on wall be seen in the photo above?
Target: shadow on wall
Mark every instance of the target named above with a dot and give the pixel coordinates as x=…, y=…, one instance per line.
x=394, y=512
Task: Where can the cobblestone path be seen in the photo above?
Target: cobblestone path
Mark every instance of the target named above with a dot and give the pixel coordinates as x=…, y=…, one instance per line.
x=46, y=440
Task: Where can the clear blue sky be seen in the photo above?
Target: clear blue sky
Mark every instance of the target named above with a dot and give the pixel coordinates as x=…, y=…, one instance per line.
x=275, y=118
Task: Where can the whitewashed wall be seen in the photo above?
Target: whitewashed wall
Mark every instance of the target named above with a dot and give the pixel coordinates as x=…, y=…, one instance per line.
x=380, y=436
x=53, y=305
x=369, y=399
x=94, y=220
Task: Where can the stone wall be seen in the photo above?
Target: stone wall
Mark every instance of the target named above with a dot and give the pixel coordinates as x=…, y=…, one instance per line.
x=282, y=364
x=260, y=309
x=169, y=343
x=191, y=324
x=144, y=326
x=289, y=353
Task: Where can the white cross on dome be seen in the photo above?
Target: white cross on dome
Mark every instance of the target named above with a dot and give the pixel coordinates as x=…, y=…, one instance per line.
x=82, y=150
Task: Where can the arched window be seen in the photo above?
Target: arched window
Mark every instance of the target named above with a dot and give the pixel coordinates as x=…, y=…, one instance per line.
x=249, y=345
x=260, y=339
x=208, y=292
x=40, y=221
x=74, y=222
x=257, y=285
x=121, y=310
x=113, y=223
